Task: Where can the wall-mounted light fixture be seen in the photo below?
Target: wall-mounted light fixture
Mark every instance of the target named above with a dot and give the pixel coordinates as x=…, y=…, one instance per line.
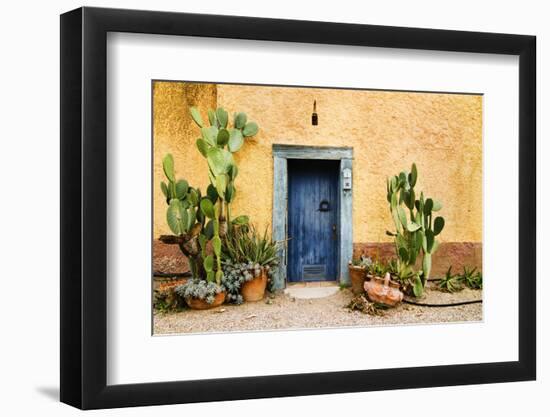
x=314, y=118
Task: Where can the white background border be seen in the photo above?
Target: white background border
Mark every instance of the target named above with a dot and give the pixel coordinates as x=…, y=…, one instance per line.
x=133, y=60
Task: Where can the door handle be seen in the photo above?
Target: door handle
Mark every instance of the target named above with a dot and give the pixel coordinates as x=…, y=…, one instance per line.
x=324, y=206
x=334, y=235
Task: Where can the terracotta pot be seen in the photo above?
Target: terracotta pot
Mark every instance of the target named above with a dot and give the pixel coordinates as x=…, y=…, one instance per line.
x=254, y=290
x=198, y=304
x=357, y=275
x=384, y=291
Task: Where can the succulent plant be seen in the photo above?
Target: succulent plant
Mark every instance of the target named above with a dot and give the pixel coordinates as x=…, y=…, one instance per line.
x=415, y=232
x=235, y=274
x=196, y=220
x=456, y=282
x=200, y=289
x=247, y=245
x=189, y=217
x=450, y=282
x=217, y=144
x=471, y=278
x=362, y=262
x=246, y=254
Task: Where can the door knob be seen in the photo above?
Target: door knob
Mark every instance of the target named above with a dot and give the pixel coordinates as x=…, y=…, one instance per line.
x=324, y=206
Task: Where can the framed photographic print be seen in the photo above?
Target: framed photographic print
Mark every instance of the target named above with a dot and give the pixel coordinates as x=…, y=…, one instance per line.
x=258, y=208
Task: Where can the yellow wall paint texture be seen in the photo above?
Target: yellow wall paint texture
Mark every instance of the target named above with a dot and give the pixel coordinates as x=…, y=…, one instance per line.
x=388, y=131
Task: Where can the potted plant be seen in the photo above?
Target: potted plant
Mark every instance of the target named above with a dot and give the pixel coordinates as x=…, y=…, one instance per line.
x=254, y=289
x=200, y=294
x=376, y=269
x=249, y=260
x=406, y=277
x=358, y=268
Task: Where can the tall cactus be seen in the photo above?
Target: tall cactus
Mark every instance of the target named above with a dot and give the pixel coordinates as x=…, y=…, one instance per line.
x=218, y=143
x=415, y=233
x=196, y=220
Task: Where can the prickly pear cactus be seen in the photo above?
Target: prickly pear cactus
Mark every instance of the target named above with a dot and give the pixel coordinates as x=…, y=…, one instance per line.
x=218, y=143
x=191, y=218
x=197, y=220
x=415, y=231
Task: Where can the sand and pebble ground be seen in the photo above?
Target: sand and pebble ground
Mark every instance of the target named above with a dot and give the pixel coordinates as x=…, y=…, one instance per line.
x=281, y=311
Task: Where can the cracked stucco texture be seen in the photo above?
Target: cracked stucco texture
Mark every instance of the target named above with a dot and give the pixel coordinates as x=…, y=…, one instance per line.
x=442, y=133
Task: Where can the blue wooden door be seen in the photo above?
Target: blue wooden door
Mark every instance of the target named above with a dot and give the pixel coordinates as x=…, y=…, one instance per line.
x=312, y=220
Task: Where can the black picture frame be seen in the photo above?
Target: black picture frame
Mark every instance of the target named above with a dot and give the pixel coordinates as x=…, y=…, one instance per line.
x=84, y=207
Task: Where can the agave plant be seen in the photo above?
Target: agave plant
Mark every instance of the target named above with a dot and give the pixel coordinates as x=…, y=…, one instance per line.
x=471, y=278
x=246, y=254
x=246, y=245
x=403, y=273
x=450, y=282
x=416, y=231
x=377, y=268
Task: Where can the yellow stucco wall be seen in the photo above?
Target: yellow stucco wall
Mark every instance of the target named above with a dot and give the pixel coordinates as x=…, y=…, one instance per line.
x=442, y=133
x=175, y=132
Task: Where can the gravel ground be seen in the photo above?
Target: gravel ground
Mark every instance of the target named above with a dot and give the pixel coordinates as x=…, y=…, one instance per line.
x=283, y=312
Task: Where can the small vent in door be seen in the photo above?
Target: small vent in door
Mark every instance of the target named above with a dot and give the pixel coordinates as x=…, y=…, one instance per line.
x=314, y=272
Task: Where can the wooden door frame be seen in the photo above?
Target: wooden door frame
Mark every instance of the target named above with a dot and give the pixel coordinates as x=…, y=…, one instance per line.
x=281, y=155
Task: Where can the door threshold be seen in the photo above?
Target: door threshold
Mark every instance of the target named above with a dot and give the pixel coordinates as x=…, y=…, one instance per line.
x=311, y=292
x=312, y=284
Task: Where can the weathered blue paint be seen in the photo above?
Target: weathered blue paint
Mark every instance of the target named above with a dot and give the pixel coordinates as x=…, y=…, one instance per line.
x=346, y=223
x=312, y=152
x=281, y=155
x=280, y=195
x=313, y=220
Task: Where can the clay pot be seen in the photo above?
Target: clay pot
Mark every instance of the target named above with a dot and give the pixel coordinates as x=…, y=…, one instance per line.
x=384, y=291
x=198, y=304
x=254, y=289
x=357, y=275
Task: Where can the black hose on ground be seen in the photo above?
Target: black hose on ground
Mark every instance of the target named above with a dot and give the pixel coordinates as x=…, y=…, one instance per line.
x=171, y=274
x=460, y=303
